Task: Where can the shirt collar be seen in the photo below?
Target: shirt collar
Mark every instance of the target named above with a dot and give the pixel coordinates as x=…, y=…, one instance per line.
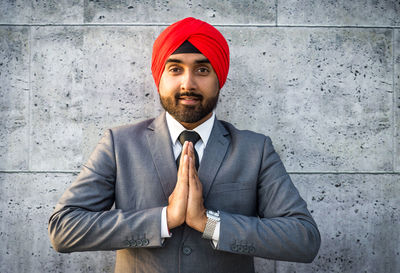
x=175, y=128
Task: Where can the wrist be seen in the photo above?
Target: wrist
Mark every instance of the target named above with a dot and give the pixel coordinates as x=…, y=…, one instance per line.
x=173, y=222
x=203, y=222
x=213, y=219
x=198, y=223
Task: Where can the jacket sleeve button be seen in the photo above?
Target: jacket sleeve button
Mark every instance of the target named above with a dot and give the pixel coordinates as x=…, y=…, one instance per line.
x=234, y=247
x=252, y=249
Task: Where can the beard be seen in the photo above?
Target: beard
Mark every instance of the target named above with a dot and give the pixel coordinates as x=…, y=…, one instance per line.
x=189, y=113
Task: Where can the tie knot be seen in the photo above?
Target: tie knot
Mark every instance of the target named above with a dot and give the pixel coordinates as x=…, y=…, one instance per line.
x=191, y=136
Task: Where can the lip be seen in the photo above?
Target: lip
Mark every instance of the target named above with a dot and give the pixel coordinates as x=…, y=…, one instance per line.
x=189, y=100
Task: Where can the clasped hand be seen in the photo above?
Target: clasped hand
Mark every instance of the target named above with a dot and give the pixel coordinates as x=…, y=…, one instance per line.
x=185, y=204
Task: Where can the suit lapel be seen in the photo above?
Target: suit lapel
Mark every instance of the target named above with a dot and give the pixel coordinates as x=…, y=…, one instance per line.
x=213, y=156
x=159, y=144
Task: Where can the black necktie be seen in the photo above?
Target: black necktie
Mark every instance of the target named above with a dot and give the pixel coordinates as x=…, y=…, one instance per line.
x=193, y=137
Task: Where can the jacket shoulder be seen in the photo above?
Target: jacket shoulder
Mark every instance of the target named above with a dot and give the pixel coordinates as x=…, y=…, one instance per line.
x=241, y=135
x=131, y=129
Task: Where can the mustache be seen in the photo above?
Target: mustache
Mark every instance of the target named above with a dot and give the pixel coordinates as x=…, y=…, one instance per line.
x=188, y=94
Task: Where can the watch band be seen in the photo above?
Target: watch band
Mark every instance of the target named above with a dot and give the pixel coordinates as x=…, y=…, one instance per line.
x=212, y=220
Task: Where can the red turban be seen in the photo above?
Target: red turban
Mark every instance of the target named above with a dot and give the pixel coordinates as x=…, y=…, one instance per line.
x=206, y=38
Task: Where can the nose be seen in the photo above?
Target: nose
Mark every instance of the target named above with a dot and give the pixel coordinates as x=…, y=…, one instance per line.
x=188, y=81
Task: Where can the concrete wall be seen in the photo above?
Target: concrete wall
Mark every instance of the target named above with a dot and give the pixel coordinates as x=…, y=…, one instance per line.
x=322, y=78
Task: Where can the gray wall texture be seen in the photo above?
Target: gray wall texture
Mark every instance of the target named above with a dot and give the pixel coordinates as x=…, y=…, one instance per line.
x=322, y=78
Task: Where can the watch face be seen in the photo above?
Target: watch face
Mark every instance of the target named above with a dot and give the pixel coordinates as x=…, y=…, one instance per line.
x=213, y=213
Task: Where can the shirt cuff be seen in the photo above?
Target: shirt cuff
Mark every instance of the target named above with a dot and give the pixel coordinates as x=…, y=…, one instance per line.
x=164, y=226
x=215, y=236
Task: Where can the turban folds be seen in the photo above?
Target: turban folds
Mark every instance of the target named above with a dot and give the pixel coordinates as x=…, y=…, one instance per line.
x=207, y=39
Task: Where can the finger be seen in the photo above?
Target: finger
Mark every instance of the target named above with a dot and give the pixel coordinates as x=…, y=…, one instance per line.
x=196, y=179
x=181, y=187
x=193, y=185
x=192, y=155
x=185, y=169
x=184, y=148
x=194, y=172
x=190, y=149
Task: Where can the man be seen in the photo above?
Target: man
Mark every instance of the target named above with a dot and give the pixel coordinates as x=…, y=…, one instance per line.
x=207, y=205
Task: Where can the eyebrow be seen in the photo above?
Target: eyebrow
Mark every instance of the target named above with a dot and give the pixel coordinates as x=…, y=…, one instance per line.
x=201, y=61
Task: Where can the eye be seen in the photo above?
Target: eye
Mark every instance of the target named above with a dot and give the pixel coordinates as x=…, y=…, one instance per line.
x=203, y=70
x=174, y=69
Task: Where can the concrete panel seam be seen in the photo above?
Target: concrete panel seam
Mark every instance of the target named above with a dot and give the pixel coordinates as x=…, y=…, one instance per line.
x=33, y=172
x=394, y=120
x=276, y=22
x=127, y=24
x=338, y=26
x=344, y=172
x=30, y=130
x=294, y=173
x=217, y=25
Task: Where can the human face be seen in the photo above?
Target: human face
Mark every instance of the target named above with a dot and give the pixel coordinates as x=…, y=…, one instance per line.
x=189, y=88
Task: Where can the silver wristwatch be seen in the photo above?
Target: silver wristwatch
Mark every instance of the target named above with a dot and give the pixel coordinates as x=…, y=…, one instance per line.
x=212, y=220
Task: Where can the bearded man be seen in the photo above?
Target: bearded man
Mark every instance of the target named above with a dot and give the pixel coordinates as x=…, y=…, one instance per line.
x=191, y=193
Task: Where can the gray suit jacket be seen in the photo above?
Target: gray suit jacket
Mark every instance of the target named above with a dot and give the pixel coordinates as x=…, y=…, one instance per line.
x=133, y=167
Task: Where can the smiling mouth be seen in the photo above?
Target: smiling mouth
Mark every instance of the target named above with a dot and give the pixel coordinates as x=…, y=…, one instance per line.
x=189, y=100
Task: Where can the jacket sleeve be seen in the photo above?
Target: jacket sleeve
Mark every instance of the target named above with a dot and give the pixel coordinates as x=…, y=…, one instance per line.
x=284, y=228
x=84, y=220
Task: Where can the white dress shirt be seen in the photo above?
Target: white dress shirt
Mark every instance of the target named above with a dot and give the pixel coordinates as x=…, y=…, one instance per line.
x=204, y=131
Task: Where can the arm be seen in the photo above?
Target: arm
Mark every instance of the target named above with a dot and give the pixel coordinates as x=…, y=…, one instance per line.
x=283, y=230
x=83, y=219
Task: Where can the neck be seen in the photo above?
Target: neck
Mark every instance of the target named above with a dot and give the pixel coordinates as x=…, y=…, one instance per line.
x=191, y=126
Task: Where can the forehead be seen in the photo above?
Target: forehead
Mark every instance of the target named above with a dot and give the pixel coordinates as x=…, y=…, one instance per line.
x=187, y=58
